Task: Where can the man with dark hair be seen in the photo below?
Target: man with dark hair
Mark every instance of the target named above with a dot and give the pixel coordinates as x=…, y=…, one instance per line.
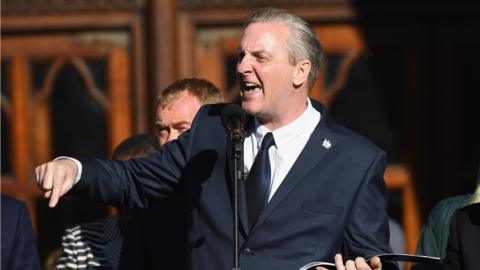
x=319, y=187
x=140, y=145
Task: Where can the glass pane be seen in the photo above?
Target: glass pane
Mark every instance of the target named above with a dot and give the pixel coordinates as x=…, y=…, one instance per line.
x=39, y=71
x=6, y=169
x=79, y=124
x=361, y=105
x=231, y=72
x=231, y=92
x=4, y=82
x=79, y=128
x=5, y=152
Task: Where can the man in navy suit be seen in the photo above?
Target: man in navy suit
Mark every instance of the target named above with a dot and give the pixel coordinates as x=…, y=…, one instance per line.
x=326, y=193
x=19, y=248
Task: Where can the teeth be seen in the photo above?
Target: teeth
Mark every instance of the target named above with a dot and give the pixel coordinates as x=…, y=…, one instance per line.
x=250, y=86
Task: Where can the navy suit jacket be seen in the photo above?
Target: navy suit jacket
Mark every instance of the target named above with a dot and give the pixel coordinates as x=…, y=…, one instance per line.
x=463, y=246
x=19, y=248
x=332, y=200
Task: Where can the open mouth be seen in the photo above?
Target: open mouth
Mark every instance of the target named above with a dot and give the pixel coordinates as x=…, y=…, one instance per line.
x=250, y=88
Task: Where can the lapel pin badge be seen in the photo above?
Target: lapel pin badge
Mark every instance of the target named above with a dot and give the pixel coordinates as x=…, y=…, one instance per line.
x=326, y=144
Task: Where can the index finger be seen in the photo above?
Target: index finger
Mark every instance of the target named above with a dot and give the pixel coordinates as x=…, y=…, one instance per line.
x=56, y=190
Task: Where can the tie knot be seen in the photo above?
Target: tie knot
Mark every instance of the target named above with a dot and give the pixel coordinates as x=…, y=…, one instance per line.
x=267, y=141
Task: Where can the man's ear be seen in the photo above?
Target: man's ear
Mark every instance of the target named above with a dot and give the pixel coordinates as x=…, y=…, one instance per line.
x=301, y=71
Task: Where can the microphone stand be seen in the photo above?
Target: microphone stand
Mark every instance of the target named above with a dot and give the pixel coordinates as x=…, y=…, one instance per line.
x=237, y=149
x=234, y=119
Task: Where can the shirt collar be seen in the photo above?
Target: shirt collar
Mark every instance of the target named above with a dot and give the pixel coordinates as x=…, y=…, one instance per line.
x=291, y=131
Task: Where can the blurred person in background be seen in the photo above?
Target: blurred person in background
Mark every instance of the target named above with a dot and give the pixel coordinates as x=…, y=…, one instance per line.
x=19, y=248
x=433, y=240
x=178, y=104
x=463, y=245
x=98, y=244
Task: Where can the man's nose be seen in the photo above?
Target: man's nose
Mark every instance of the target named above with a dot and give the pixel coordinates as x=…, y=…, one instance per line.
x=173, y=135
x=244, y=65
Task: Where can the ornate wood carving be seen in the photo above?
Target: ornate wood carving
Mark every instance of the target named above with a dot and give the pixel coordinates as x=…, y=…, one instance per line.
x=231, y=4
x=18, y=7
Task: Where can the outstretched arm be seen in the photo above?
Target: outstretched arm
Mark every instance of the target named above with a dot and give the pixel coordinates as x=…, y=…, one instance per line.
x=56, y=178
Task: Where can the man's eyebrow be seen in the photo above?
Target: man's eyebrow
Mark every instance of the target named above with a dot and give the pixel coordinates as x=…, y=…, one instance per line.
x=258, y=52
x=255, y=52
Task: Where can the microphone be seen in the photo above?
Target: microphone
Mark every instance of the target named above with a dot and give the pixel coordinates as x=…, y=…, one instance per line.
x=233, y=119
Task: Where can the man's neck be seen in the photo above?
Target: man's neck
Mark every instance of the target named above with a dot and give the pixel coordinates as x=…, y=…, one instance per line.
x=272, y=123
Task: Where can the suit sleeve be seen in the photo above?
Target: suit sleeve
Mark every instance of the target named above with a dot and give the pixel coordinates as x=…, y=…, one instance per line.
x=139, y=181
x=367, y=232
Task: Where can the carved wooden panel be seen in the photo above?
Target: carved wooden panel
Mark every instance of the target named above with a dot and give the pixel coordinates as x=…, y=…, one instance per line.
x=69, y=6
x=232, y=4
x=71, y=85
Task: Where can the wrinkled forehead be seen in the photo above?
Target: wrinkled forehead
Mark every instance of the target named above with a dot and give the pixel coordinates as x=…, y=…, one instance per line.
x=182, y=108
x=260, y=33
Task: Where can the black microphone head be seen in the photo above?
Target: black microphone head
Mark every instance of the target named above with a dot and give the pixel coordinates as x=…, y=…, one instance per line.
x=233, y=111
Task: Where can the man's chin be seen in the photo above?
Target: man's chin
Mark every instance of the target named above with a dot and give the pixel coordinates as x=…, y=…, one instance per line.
x=248, y=108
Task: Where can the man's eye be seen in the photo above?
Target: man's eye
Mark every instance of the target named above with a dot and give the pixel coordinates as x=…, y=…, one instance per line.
x=162, y=132
x=261, y=58
x=182, y=129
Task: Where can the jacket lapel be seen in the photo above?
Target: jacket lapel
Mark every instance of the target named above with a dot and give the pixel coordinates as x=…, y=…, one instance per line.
x=320, y=143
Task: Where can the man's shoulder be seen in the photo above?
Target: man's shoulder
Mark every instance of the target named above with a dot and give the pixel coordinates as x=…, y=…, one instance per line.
x=343, y=132
x=451, y=204
x=212, y=109
x=440, y=215
x=347, y=137
x=209, y=113
x=11, y=203
x=13, y=209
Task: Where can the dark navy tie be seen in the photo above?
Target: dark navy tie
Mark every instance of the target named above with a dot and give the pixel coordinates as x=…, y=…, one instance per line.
x=258, y=181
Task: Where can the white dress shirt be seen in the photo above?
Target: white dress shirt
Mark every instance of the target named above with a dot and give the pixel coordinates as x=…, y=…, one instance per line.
x=289, y=143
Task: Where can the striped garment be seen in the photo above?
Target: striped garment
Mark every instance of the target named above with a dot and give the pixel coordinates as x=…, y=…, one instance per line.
x=93, y=245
